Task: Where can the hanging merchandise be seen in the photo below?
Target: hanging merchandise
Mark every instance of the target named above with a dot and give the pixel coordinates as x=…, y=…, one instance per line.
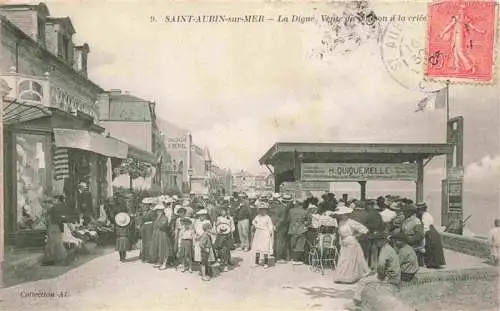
x=61, y=163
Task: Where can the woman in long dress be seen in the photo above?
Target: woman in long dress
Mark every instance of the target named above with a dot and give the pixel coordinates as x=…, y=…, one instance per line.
x=352, y=265
x=162, y=246
x=262, y=242
x=54, y=248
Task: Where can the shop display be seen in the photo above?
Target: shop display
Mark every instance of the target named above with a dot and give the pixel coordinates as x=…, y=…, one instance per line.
x=31, y=181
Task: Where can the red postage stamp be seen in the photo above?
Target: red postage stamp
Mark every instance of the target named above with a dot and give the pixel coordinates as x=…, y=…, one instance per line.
x=460, y=40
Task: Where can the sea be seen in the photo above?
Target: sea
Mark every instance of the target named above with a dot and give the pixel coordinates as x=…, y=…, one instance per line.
x=483, y=207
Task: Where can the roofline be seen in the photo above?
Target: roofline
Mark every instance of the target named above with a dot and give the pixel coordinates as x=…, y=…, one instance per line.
x=66, y=20
x=439, y=148
x=40, y=7
x=46, y=52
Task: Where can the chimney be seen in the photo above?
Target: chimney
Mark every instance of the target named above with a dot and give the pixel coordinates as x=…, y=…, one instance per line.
x=115, y=91
x=80, y=55
x=30, y=18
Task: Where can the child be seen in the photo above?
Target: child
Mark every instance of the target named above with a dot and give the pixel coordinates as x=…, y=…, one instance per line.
x=224, y=240
x=262, y=243
x=206, y=250
x=186, y=236
x=122, y=221
x=494, y=241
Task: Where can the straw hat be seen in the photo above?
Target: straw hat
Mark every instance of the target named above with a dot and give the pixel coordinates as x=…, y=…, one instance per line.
x=342, y=210
x=276, y=195
x=122, y=219
x=286, y=197
x=158, y=207
x=341, y=204
x=312, y=206
x=421, y=205
x=148, y=200
x=328, y=213
x=262, y=205
x=202, y=212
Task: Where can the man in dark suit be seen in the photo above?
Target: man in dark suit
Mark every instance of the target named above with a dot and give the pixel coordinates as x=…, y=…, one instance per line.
x=297, y=229
x=84, y=201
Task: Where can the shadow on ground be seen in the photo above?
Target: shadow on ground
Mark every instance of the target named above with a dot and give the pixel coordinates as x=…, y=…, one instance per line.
x=324, y=292
x=27, y=273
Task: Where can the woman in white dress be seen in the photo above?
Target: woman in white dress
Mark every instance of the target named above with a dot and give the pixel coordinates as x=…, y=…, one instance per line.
x=262, y=242
x=352, y=265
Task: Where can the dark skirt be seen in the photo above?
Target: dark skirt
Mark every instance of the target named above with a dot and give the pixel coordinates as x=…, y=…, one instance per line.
x=434, y=255
x=147, y=253
x=186, y=250
x=122, y=244
x=162, y=246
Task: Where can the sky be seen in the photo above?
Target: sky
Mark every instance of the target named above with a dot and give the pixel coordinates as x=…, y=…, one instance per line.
x=239, y=88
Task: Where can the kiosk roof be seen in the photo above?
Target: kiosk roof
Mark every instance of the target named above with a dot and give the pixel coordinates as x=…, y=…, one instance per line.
x=353, y=152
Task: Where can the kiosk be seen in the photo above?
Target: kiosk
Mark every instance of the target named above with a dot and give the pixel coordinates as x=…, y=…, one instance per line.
x=360, y=163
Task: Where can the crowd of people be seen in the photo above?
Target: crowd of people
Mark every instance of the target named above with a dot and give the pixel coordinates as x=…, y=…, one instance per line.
x=196, y=231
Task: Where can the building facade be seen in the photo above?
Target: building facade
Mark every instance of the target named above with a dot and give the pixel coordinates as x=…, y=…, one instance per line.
x=52, y=135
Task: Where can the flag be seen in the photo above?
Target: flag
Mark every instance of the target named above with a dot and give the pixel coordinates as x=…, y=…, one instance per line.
x=435, y=100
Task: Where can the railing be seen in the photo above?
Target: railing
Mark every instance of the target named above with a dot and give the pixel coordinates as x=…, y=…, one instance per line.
x=41, y=90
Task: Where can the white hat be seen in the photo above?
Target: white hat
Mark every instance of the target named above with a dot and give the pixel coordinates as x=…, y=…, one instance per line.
x=329, y=213
x=202, y=212
x=149, y=200
x=122, y=219
x=263, y=205
x=276, y=195
x=158, y=206
x=342, y=210
x=312, y=206
x=175, y=197
x=167, y=199
x=341, y=204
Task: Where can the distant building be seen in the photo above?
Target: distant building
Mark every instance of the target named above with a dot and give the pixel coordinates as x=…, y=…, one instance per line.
x=133, y=120
x=246, y=181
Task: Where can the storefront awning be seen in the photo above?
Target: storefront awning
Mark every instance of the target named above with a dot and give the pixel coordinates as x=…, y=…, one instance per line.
x=16, y=112
x=84, y=140
x=141, y=155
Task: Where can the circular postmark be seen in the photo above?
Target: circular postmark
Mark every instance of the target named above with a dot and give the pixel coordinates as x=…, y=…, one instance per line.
x=402, y=47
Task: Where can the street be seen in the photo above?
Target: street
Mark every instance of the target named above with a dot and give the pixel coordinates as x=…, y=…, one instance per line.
x=105, y=283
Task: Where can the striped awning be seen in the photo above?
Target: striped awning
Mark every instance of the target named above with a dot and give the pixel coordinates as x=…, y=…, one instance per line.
x=16, y=111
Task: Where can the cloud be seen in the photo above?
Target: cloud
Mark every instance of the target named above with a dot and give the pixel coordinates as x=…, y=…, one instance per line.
x=488, y=169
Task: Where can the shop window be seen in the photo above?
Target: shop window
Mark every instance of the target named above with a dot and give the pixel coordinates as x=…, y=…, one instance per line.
x=30, y=90
x=31, y=181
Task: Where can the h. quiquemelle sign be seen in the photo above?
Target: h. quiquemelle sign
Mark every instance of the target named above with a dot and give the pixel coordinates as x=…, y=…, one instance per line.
x=358, y=172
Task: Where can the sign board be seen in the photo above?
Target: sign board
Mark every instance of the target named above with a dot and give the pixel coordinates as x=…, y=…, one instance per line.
x=358, y=172
x=455, y=195
x=305, y=186
x=177, y=143
x=71, y=103
x=456, y=173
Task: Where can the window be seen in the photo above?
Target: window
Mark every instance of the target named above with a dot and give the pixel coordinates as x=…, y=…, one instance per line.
x=31, y=91
x=41, y=30
x=65, y=47
x=31, y=181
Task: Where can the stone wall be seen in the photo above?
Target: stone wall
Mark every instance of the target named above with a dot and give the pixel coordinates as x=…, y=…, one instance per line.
x=471, y=246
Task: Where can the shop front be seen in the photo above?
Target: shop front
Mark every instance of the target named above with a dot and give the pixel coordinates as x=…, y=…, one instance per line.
x=52, y=144
x=49, y=156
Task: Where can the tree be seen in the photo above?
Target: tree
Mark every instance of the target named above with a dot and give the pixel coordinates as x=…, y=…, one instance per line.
x=135, y=169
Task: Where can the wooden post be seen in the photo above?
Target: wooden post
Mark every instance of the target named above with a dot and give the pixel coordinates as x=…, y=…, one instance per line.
x=420, y=181
x=363, y=189
x=4, y=90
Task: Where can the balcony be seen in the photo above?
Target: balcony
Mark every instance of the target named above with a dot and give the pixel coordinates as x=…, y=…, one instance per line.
x=40, y=91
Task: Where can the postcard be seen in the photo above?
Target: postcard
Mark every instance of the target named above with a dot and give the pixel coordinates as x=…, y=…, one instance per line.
x=249, y=155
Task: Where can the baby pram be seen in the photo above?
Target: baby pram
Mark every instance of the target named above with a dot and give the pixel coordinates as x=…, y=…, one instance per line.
x=324, y=253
